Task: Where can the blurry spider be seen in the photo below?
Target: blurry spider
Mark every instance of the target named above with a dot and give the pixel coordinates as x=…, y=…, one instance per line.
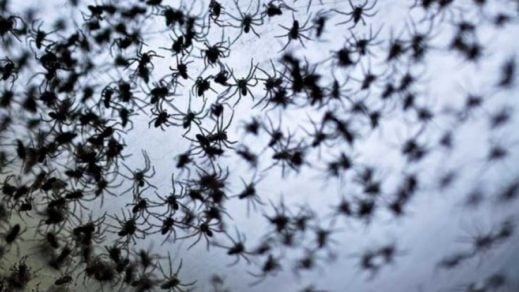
x=213, y=180
x=369, y=78
x=87, y=233
x=276, y=133
x=319, y=135
x=307, y=262
x=270, y=267
x=122, y=43
x=453, y=261
x=188, y=118
x=358, y=13
x=140, y=176
x=38, y=36
x=237, y=248
x=271, y=83
x=274, y=8
x=481, y=241
x=320, y=21
x=13, y=235
x=339, y=91
x=8, y=69
x=249, y=193
x=246, y=154
x=296, y=32
x=289, y=155
x=170, y=280
x=146, y=258
x=243, y=85
x=247, y=20
x=218, y=135
x=20, y=275
x=362, y=45
x=419, y=40
x=281, y=217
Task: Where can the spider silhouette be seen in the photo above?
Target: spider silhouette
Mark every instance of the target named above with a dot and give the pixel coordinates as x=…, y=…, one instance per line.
x=296, y=32
x=358, y=13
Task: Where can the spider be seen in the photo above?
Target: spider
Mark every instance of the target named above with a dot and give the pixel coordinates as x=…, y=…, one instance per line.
x=215, y=10
x=127, y=41
x=223, y=75
x=103, y=186
x=129, y=228
x=249, y=193
x=419, y=41
x=85, y=234
x=160, y=93
x=188, y=118
x=270, y=267
x=201, y=86
x=271, y=82
x=9, y=25
x=320, y=21
x=362, y=45
x=237, y=248
x=339, y=91
x=8, y=69
x=247, y=20
x=369, y=78
x=140, y=176
x=140, y=207
x=13, y=235
x=38, y=36
x=281, y=217
x=172, y=201
x=243, y=85
x=181, y=69
x=276, y=133
x=213, y=180
x=213, y=53
x=161, y=118
x=144, y=64
x=296, y=32
x=125, y=94
x=218, y=134
x=286, y=154
x=171, y=282
x=319, y=135
x=19, y=276
x=204, y=228
x=358, y=13
x=246, y=154
x=178, y=46
x=307, y=262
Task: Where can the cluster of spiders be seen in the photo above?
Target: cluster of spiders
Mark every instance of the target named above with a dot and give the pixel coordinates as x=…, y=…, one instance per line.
x=71, y=92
